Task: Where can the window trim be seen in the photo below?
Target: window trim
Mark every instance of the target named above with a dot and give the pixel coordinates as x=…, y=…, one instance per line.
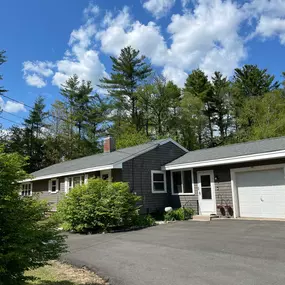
x=21, y=190
x=182, y=180
x=83, y=180
x=109, y=172
x=50, y=186
x=164, y=182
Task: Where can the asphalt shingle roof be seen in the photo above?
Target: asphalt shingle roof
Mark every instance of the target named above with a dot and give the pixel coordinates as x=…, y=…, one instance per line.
x=234, y=150
x=97, y=160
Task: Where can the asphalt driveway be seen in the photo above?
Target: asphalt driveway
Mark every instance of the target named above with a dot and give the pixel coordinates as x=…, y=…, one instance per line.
x=227, y=252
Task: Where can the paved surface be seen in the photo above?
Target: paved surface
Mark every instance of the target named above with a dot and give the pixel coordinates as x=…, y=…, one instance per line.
x=199, y=253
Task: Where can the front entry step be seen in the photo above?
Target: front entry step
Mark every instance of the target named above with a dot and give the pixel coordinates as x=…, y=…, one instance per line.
x=204, y=218
x=201, y=218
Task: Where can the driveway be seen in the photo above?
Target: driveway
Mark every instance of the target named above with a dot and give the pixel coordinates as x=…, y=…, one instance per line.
x=221, y=252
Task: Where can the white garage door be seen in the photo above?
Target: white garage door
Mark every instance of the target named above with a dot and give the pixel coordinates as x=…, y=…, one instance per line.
x=261, y=194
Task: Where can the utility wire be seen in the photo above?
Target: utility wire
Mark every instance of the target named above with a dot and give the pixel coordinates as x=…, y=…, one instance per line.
x=30, y=107
x=13, y=115
x=11, y=121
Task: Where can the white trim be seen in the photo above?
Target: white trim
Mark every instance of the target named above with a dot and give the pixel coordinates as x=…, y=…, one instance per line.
x=66, y=184
x=118, y=164
x=164, y=182
x=182, y=182
x=213, y=188
x=228, y=160
x=50, y=186
x=85, y=178
x=106, y=172
x=247, y=169
x=21, y=190
x=70, y=173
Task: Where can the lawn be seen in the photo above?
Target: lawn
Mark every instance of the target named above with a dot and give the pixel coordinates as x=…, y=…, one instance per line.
x=63, y=274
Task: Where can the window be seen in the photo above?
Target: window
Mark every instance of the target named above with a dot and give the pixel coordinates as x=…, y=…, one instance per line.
x=105, y=175
x=75, y=180
x=26, y=189
x=182, y=183
x=158, y=181
x=53, y=186
x=206, y=187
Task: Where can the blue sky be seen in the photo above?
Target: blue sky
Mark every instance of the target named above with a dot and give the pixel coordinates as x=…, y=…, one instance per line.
x=49, y=40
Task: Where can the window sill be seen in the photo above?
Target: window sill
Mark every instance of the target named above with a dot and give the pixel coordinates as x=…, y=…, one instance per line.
x=158, y=192
x=183, y=194
x=53, y=192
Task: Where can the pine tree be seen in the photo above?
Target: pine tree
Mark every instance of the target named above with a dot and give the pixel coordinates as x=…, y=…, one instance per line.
x=221, y=102
x=198, y=85
x=2, y=60
x=129, y=71
x=34, y=137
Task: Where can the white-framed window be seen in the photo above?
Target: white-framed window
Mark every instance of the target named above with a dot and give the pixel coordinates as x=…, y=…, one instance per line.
x=26, y=189
x=106, y=175
x=182, y=182
x=53, y=185
x=158, y=181
x=71, y=182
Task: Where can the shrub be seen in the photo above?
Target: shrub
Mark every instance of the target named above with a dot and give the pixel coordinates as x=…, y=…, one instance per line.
x=98, y=205
x=27, y=239
x=144, y=221
x=180, y=214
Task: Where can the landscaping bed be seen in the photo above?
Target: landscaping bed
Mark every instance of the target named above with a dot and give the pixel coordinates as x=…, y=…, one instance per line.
x=63, y=274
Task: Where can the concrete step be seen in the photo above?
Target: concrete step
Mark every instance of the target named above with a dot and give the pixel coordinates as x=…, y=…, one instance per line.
x=205, y=217
x=201, y=218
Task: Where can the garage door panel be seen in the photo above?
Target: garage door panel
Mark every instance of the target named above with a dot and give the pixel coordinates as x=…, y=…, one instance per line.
x=261, y=193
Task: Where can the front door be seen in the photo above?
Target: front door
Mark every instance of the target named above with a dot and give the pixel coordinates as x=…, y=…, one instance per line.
x=206, y=194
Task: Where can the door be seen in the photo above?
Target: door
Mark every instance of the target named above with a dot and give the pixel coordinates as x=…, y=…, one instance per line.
x=206, y=194
x=261, y=194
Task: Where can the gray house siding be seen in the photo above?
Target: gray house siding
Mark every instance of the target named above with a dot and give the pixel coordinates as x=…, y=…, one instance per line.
x=137, y=172
x=223, y=189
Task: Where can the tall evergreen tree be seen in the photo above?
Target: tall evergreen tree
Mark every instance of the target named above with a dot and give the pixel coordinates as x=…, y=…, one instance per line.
x=198, y=85
x=129, y=71
x=34, y=137
x=2, y=60
x=221, y=102
x=251, y=81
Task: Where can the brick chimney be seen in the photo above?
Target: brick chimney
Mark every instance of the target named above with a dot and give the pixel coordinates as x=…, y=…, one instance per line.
x=109, y=144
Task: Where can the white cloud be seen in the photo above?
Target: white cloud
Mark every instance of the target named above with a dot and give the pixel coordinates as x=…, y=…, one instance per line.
x=184, y=3
x=210, y=36
x=35, y=72
x=11, y=107
x=35, y=80
x=270, y=27
x=91, y=10
x=159, y=8
x=81, y=59
x=177, y=75
x=270, y=18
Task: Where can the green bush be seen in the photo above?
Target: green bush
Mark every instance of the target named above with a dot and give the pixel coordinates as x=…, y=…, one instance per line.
x=27, y=239
x=144, y=221
x=100, y=206
x=180, y=214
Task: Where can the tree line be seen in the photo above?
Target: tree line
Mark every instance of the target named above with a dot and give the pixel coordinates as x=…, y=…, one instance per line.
x=135, y=105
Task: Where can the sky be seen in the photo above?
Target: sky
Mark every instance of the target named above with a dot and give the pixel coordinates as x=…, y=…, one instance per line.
x=47, y=41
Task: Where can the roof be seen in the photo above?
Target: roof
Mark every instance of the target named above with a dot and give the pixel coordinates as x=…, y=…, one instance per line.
x=241, y=152
x=98, y=161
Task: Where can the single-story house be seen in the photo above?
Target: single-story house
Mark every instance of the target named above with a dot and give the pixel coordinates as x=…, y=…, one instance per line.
x=140, y=166
x=239, y=180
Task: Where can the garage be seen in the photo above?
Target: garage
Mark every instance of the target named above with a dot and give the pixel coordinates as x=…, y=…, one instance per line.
x=261, y=193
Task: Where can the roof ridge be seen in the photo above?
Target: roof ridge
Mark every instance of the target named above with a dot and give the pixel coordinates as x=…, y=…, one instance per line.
x=240, y=143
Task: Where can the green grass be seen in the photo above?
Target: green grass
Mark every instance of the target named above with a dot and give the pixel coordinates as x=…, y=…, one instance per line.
x=63, y=274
